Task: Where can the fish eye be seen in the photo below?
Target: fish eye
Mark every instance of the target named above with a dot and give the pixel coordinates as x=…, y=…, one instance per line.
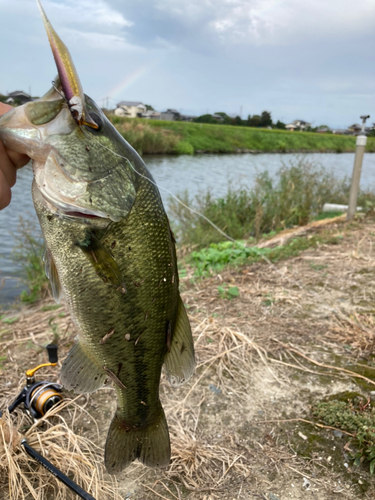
x=97, y=119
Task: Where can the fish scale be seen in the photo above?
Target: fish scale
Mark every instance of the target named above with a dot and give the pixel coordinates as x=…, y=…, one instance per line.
x=110, y=252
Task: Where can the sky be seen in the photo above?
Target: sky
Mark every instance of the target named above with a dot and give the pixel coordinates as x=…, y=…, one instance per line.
x=299, y=59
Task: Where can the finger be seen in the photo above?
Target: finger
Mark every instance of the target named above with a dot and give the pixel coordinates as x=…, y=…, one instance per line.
x=5, y=192
x=7, y=167
x=17, y=159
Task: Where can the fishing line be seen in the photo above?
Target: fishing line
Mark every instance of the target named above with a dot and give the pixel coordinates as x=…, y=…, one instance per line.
x=171, y=194
x=266, y=259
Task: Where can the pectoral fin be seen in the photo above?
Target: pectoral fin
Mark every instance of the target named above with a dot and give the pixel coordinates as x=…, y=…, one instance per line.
x=102, y=260
x=52, y=275
x=180, y=360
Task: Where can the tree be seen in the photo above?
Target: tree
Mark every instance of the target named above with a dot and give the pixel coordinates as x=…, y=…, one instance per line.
x=265, y=119
x=253, y=121
x=226, y=119
x=280, y=125
x=205, y=119
x=149, y=107
x=238, y=121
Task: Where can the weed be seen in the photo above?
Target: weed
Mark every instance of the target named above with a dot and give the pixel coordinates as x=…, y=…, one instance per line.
x=357, y=417
x=293, y=198
x=52, y=307
x=10, y=321
x=55, y=329
x=150, y=140
x=184, y=148
x=219, y=255
x=29, y=254
x=229, y=292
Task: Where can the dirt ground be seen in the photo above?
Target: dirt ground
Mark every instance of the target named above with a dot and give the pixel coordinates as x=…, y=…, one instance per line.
x=242, y=428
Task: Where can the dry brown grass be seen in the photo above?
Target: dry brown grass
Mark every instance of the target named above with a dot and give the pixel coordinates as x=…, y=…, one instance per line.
x=239, y=441
x=53, y=436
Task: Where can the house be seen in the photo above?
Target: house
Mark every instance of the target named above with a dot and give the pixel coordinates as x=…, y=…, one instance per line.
x=291, y=127
x=151, y=115
x=298, y=125
x=18, y=97
x=130, y=109
x=341, y=131
x=170, y=115
x=355, y=128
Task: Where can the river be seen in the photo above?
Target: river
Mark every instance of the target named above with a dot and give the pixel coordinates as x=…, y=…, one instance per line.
x=175, y=174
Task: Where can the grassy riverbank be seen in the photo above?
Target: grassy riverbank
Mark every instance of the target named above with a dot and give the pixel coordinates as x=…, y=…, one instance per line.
x=162, y=137
x=293, y=198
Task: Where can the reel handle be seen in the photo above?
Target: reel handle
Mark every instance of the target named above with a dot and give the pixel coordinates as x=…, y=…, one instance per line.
x=52, y=353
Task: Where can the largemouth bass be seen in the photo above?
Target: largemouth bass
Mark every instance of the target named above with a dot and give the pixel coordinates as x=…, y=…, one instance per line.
x=111, y=253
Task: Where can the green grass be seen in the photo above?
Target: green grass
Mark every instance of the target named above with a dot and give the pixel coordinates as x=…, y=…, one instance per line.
x=294, y=197
x=156, y=136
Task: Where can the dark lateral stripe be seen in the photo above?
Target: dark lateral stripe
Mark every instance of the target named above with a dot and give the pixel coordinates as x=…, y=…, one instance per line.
x=114, y=377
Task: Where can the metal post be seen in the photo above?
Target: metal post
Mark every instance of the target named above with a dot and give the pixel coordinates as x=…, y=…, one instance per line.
x=357, y=168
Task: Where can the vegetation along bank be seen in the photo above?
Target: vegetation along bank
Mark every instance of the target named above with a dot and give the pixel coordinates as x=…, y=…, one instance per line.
x=164, y=137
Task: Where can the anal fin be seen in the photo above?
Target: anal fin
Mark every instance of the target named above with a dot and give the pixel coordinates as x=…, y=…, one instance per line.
x=79, y=373
x=180, y=361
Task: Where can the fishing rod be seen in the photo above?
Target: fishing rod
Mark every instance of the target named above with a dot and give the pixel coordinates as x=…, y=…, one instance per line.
x=38, y=398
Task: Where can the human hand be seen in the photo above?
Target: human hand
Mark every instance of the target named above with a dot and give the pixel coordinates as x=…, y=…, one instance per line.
x=10, y=161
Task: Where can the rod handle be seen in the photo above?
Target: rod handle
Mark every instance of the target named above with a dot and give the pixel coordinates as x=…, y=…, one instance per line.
x=56, y=472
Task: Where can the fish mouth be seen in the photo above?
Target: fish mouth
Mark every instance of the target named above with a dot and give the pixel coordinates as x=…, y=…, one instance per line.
x=82, y=215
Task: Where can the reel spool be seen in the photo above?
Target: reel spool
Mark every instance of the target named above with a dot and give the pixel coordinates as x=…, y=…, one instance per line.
x=41, y=397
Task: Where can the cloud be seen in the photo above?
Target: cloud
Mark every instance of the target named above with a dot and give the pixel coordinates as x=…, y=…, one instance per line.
x=98, y=41
x=271, y=22
x=85, y=12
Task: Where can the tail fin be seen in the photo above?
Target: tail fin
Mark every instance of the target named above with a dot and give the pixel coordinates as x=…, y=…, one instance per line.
x=125, y=443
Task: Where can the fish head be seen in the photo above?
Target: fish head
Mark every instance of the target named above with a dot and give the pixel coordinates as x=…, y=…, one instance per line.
x=82, y=165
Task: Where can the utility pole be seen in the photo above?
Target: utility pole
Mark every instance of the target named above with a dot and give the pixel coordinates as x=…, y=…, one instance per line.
x=357, y=168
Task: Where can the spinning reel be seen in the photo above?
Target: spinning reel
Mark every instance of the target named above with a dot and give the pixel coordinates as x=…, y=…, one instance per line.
x=38, y=398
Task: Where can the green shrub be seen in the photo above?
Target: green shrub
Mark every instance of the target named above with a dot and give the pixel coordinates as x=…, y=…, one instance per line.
x=29, y=254
x=184, y=148
x=293, y=197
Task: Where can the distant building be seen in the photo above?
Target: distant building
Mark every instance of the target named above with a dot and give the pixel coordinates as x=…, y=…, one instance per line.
x=130, y=109
x=151, y=115
x=355, y=128
x=291, y=127
x=341, y=131
x=170, y=115
x=18, y=97
x=298, y=125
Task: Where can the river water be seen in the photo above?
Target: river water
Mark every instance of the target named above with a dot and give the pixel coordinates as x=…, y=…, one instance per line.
x=176, y=174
